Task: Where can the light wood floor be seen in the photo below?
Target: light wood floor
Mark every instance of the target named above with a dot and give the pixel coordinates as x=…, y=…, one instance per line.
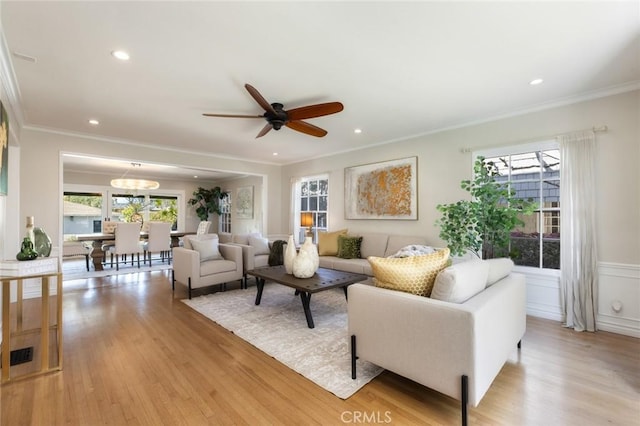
x=135, y=355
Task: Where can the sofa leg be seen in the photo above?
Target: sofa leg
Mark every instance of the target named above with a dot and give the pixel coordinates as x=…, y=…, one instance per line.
x=173, y=280
x=353, y=356
x=464, y=398
x=189, y=287
x=519, y=344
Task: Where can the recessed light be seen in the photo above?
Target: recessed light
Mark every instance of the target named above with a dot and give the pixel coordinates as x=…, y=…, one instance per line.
x=275, y=153
x=536, y=81
x=358, y=131
x=94, y=122
x=120, y=54
x=195, y=177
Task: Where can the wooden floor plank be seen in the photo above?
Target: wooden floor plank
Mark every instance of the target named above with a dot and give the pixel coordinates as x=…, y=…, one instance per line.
x=135, y=355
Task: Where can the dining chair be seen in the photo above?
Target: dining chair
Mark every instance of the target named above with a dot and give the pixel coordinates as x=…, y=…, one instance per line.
x=159, y=241
x=203, y=227
x=108, y=227
x=127, y=242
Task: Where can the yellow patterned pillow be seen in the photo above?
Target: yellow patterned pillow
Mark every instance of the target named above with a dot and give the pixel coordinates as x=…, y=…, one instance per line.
x=328, y=242
x=414, y=274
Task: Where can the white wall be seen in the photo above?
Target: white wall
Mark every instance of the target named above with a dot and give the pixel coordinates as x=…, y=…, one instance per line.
x=442, y=164
x=260, y=210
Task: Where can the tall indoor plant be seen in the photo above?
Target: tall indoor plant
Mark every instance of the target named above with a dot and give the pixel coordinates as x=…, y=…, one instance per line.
x=207, y=201
x=484, y=223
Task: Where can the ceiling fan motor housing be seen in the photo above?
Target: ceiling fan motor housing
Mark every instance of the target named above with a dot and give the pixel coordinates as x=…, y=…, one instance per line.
x=278, y=119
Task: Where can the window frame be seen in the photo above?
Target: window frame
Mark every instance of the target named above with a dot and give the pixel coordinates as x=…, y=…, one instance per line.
x=224, y=218
x=297, y=228
x=541, y=146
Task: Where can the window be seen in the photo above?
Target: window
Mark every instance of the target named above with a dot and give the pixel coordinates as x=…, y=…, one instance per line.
x=164, y=208
x=312, y=195
x=82, y=213
x=534, y=173
x=86, y=206
x=224, y=219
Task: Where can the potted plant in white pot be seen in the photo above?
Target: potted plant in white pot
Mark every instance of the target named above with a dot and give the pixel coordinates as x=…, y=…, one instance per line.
x=484, y=223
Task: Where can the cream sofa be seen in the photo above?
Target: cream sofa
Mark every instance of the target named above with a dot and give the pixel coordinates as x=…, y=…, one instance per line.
x=191, y=270
x=373, y=244
x=454, y=348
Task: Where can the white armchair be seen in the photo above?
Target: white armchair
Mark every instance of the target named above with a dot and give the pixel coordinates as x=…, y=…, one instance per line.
x=255, y=251
x=204, y=262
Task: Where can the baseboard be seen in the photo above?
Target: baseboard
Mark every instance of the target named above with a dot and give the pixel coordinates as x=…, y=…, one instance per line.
x=628, y=327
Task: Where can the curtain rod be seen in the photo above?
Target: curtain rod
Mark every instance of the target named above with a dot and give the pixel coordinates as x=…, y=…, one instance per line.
x=595, y=129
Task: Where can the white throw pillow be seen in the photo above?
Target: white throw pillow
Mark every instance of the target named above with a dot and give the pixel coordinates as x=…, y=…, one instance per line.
x=414, y=250
x=461, y=281
x=208, y=249
x=498, y=269
x=260, y=245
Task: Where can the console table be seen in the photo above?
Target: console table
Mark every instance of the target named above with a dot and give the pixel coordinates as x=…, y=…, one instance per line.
x=13, y=314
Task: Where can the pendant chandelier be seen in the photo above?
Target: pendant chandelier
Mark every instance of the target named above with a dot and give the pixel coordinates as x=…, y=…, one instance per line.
x=130, y=183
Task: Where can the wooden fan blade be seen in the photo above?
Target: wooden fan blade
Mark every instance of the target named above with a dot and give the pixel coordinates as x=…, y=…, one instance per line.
x=309, y=129
x=233, y=115
x=264, y=130
x=259, y=99
x=312, y=111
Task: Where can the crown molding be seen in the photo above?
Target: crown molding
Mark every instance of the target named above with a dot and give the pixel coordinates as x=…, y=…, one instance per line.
x=100, y=138
x=569, y=100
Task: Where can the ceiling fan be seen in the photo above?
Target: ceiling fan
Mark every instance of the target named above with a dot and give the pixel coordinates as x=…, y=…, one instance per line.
x=277, y=116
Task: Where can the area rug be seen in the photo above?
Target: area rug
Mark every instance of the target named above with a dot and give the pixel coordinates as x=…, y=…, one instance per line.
x=77, y=271
x=278, y=327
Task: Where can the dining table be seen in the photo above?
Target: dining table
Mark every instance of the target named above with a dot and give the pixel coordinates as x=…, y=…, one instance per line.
x=98, y=238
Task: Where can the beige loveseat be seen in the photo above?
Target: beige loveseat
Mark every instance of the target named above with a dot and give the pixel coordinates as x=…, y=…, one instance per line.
x=373, y=244
x=454, y=346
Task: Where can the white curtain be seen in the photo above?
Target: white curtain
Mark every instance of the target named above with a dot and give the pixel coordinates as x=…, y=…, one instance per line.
x=294, y=211
x=578, y=254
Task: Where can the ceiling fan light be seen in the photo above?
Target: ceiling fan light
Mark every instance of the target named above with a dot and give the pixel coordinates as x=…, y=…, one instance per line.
x=135, y=184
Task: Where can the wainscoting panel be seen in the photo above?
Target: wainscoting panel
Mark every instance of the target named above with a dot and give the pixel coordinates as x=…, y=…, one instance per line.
x=619, y=298
x=543, y=293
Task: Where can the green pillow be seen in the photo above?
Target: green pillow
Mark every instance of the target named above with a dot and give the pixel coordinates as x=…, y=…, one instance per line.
x=349, y=247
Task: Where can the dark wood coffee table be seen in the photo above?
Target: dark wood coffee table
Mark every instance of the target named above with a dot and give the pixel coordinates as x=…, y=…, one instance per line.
x=323, y=279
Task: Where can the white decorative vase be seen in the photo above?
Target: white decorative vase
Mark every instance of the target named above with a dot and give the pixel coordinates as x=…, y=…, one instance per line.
x=307, y=262
x=289, y=255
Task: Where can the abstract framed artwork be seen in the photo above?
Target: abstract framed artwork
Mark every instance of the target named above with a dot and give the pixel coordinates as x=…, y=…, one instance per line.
x=244, y=202
x=4, y=150
x=385, y=190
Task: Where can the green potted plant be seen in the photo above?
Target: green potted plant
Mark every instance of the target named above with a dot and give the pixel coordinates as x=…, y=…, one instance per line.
x=484, y=223
x=207, y=201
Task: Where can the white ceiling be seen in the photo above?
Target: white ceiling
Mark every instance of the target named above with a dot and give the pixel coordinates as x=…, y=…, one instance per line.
x=400, y=69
